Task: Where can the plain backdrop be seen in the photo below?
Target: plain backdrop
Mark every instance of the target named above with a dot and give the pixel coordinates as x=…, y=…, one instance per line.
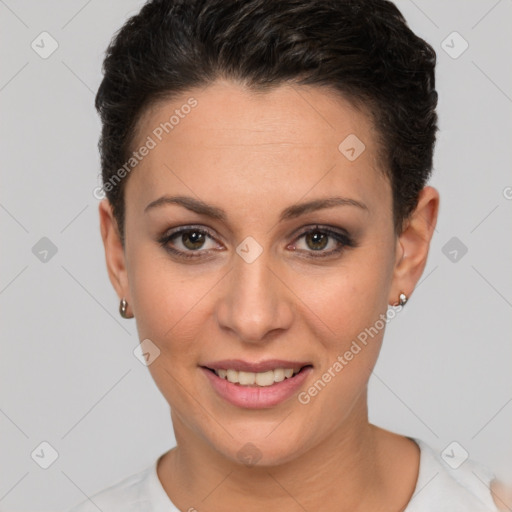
x=69, y=377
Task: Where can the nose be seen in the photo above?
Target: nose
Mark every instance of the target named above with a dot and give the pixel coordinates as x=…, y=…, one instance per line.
x=255, y=303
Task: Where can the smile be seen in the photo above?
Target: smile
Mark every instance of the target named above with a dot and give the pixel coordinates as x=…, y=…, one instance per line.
x=256, y=386
x=262, y=379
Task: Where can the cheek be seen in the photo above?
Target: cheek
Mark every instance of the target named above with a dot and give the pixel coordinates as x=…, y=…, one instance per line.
x=353, y=306
x=164, y=297
x=169, y=312
x=356, y=327
x=351, y=297
x=352, y=302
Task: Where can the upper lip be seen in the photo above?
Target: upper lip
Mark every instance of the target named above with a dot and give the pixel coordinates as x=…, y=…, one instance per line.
x=255, y=367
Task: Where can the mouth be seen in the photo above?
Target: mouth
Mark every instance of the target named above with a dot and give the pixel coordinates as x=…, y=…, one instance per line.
x=256, y=385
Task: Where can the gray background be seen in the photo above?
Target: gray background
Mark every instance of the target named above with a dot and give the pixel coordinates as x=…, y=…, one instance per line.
x=68, y=373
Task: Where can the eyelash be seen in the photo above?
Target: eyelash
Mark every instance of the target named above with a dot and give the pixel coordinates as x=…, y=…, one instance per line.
x=343, y=239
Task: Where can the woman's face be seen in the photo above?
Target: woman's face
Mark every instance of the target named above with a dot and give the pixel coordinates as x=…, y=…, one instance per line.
x=266, y=283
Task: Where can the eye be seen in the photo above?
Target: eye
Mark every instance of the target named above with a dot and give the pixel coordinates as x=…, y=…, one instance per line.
x=190, y=241
x=319, y=238
x=187, y=240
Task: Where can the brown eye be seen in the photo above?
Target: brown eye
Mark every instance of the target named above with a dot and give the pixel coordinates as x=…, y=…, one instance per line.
x=193, y=240
x=316, y=240
x=188, y=242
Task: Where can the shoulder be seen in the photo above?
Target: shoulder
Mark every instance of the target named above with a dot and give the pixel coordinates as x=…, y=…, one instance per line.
x=449, y=480
x=129, y=494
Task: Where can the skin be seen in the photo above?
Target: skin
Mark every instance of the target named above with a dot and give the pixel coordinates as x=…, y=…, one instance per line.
x=253, y=155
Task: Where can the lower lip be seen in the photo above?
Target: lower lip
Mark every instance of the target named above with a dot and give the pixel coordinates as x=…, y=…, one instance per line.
x=257, y=397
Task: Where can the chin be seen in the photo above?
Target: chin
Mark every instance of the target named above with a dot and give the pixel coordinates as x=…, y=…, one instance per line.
x=261, y=446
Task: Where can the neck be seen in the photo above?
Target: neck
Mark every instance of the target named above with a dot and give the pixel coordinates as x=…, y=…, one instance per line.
x=343, y=472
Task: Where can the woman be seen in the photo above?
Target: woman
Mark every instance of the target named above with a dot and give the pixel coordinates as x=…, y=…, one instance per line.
x=267, y=213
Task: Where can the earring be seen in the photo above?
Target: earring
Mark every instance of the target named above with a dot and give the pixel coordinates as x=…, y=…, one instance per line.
x=123, y=308
x=402, y=299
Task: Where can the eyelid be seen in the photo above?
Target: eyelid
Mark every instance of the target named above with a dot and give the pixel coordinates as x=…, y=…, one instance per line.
x=174, y=232
x=339, y=234
x=206, y=229
x=320, y=227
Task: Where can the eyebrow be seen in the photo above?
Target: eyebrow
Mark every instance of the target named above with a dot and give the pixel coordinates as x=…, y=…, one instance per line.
x=293, y=211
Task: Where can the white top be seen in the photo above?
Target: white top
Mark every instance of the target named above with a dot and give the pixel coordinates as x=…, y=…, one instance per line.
x=439, y=488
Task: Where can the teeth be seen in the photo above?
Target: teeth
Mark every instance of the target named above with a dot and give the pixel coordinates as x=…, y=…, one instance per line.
x=265, y=378
x=246, y=378
x=260, y=379
x=232, y=376
x=279, y=375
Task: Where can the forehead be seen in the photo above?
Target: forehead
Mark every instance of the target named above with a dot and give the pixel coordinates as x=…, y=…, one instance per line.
x=229, y=142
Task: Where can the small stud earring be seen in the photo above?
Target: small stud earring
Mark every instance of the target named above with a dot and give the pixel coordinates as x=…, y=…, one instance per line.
x=123, y=308
x=402, y=299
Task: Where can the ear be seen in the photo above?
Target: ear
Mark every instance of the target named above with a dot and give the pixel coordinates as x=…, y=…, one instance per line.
x=114, y=251
x=413, y=244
